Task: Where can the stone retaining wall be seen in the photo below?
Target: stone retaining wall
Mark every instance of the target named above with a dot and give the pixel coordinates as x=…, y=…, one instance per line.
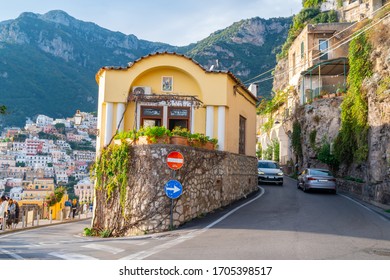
x=378, y=194
x=210, y=180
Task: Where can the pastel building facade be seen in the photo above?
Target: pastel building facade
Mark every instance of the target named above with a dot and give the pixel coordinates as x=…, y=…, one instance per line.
x=168, y=89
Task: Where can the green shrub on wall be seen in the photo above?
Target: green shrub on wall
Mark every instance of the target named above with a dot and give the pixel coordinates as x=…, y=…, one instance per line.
x=296, y=139
x=111, y=170
x=324, y=155
x=351, y=144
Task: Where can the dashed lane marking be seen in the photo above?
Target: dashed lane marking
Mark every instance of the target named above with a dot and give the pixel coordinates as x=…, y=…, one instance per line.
x=104, y=248
x=71, y=256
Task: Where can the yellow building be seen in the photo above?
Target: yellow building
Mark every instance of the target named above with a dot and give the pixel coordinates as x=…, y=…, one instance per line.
x=169, y=89
x=38, y=189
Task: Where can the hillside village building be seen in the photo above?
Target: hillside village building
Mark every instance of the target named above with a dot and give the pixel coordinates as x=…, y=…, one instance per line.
x=356, y=10
x=168, y=89
x=84, y=189
x=24, y=159
x=317, y=66
x=318, y=60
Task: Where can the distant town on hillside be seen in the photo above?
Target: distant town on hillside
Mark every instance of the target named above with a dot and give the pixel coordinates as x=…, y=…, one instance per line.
x=47, y=153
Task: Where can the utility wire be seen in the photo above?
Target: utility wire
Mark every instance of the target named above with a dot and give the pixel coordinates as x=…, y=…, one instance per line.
x=341, y=43
x=314, y=47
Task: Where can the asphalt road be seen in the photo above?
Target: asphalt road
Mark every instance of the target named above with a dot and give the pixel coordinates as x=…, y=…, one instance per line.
x=278, y=223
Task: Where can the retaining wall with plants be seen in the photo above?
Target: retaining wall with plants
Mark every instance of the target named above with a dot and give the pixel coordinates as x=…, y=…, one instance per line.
x=210, y=180
x=378, y=194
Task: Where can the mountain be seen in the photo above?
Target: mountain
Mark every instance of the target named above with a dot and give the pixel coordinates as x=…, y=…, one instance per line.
x=48, y=62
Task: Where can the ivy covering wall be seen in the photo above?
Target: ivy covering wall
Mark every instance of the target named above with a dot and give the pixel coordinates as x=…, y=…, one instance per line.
x=351, y=144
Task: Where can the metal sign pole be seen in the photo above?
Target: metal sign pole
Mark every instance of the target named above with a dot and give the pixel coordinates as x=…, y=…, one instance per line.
x=173, y=188
x=171, y=214
x=171, y=217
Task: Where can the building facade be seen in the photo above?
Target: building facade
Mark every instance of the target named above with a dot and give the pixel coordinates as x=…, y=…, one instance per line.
x=168, y=89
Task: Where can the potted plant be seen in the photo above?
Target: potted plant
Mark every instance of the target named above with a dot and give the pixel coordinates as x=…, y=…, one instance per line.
x=212, y=143
x=153, y=135
x=195, y=140
x=179, y=136
x=202, y=141
x=128, y=136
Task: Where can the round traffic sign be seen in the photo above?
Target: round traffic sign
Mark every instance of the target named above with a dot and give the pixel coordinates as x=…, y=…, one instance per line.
x=173, y=189
x=175, y=160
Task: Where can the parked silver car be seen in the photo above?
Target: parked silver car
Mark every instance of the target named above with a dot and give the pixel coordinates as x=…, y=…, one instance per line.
x=269, y=172
x=315, y=178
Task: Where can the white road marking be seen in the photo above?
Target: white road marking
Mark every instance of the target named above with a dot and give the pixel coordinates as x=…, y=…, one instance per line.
x=71, y=256
x=144, y=254
x=104, y=248
x=13, y=255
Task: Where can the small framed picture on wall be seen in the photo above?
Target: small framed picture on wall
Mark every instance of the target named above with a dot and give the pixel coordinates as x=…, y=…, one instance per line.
x=167, y=83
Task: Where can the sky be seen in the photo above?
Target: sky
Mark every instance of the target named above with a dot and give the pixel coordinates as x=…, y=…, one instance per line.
x=176, y=22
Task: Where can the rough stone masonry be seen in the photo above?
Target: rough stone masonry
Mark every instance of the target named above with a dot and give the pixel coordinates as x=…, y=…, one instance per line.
x=210, y=180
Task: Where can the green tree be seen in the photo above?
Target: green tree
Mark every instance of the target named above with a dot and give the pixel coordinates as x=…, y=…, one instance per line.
x=3, y=110
x=60, y=127
x=296, y=140
x=324, y=155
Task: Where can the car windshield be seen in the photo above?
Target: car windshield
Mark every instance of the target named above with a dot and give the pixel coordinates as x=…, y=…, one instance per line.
x=320, y=172
x=266, y=164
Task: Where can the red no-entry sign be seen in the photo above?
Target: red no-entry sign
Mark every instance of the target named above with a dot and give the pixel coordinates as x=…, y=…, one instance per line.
x=175, y=160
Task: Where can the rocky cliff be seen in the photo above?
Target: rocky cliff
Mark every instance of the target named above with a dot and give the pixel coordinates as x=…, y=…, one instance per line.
x=377, y=167
x=321, y=121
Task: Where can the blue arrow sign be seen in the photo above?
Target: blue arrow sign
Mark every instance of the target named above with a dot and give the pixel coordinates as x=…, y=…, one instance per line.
x=173, y=189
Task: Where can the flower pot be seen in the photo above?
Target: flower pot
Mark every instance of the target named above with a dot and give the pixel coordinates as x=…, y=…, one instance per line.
x=195, y=143
x=179, y=140
x=208, y=146
x=146, y=140
x=142, y=140
x=162, y=140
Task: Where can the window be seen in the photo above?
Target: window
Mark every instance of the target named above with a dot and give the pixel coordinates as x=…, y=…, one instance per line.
x=242, y=132
x=293, y=63
x=151, y=116
x=323, y=48
x=178, y=116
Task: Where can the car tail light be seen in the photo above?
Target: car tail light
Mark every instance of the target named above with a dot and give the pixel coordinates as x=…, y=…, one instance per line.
x=311, y=179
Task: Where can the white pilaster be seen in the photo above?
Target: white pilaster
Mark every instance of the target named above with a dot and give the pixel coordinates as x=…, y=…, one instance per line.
x=108, y=128
x=221, y=127
x=192, y=119
x=120, y=110
x=209, y=121
x=165, y=116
